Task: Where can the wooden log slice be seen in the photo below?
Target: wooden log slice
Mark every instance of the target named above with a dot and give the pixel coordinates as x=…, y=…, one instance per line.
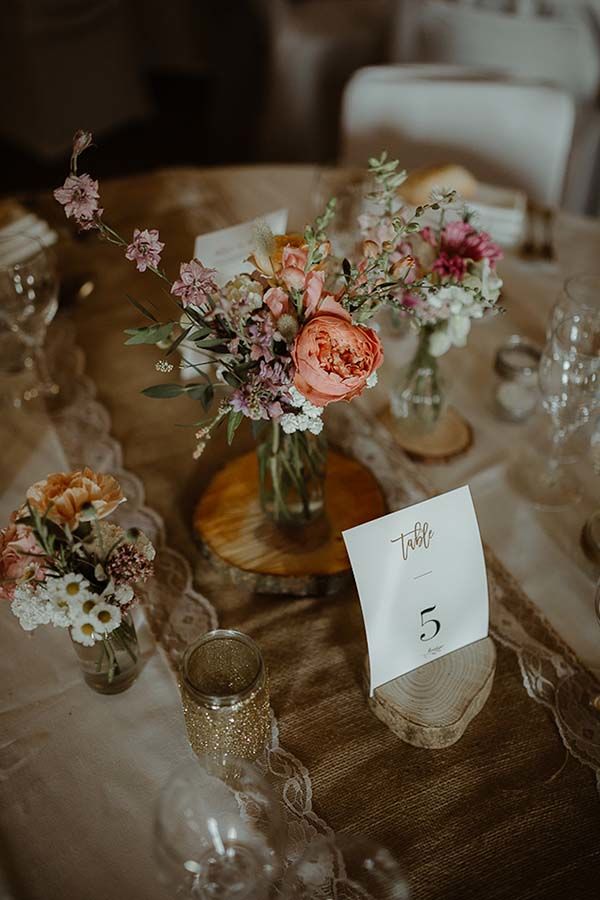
x=451, y=436
x=237, y=536
x=432, y=706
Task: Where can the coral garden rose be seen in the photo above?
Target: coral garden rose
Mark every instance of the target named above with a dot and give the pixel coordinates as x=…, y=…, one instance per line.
x=19, y=558
x=65, y=495
x=334, y=358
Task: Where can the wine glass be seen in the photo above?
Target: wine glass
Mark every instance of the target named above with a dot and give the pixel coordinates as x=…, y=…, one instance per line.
x=28, y=303
x=347, y=866
x=569, y=379
x=219, y=832
x=579, y=297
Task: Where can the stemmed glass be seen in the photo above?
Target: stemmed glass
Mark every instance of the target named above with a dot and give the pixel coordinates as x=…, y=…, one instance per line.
x=219, y=833
x=349, y=867
x=569, y=379
x=28, y=303
x=579, y=298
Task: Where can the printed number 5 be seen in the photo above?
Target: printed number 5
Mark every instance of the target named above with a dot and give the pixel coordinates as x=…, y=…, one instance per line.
x=425, y=622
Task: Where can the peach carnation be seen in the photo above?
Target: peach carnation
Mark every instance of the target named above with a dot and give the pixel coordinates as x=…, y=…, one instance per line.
x=64, y=495
x=334, y=358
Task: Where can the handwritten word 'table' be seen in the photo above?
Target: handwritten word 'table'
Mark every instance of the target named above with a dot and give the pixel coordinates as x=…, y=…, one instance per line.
x=419, y=537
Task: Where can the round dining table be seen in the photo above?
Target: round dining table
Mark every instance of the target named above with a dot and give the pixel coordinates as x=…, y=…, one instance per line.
x=509, y=812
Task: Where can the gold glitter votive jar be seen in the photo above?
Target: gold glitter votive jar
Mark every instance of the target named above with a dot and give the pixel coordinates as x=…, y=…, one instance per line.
x=225, y=695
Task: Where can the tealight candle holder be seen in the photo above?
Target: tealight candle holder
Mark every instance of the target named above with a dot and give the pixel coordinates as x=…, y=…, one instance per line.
x=225, y=695
x=516, y=391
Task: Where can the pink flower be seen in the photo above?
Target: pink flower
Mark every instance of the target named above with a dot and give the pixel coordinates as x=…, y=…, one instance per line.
x=81, y=141
x=460, y=244
x=278, y=301
x=17, y=564
x=334, y=358
x=145, y=249
x=79, y=196
x=293, y=262
x=313, y=288
x=450, y=266
x=195, y=284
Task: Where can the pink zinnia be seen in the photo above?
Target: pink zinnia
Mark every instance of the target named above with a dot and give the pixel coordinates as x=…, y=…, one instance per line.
x=145, y=249
x=195, y=284
x=450, y=266
x=79, y=196
x=461, y=244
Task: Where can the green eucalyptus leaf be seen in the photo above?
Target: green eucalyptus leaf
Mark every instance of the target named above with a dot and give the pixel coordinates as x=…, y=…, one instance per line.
x=164, y=391
x=233, y=423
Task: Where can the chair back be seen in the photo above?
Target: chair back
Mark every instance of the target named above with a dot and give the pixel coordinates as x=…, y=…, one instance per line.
x=551, y=41
x=506, y=133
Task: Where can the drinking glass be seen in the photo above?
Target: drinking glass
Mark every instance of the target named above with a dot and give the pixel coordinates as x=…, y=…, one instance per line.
x=28, y=303
x=219, y=832
x=345, y=867
x=579, y=297
x=569, y=379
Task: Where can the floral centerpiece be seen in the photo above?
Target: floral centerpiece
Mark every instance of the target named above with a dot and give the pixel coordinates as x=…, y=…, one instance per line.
x=62, y=564
x=291, y=336
x=451, y=281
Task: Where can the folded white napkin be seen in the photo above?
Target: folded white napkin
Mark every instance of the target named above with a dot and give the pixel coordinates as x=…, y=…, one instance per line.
x=23, y=238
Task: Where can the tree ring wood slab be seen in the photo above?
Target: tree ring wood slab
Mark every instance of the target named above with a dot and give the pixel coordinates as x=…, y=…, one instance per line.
x=450, y=437
x=242, y=542
x=432, y=706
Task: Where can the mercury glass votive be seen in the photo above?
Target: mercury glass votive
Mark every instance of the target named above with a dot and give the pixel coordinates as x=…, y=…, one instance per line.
x=225, y=694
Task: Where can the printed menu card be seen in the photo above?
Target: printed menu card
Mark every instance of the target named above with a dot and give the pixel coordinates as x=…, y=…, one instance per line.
x=228, y=249
x=421, y=579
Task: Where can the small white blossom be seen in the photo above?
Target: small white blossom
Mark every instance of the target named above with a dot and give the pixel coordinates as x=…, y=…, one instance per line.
x=300, y=401
x=123, y=594
x=163, y=366
x=31, y=607
x=292, y=422
x=372, y=380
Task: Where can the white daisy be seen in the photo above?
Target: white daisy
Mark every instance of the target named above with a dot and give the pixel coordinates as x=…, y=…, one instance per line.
x=83, y=631
x=105, y=618
x=61, y=611
x=72, y=588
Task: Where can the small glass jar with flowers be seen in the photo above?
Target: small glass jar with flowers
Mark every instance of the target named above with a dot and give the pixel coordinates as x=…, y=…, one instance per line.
x=63, y=564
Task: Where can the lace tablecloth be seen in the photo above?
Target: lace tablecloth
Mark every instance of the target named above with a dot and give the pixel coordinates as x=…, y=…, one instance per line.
x=505, y=812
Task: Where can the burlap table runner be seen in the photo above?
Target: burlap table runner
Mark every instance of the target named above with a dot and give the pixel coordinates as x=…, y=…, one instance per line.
x=506, y=812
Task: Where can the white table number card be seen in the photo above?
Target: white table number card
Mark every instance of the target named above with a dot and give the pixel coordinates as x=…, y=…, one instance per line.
x=422, y=583
x=228, y=249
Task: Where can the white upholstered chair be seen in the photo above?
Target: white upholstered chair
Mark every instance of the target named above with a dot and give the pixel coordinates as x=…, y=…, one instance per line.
x=559, y=46
x=506, y=133
x=556, y=41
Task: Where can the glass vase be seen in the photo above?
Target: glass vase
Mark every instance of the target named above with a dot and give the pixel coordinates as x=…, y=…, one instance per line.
x=292, y=471
x=111, y=664
x=418, y=401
